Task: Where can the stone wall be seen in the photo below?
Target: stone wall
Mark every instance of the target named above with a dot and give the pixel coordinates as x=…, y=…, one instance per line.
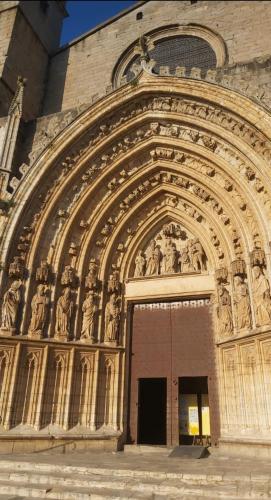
x=85, y=66
x=27, y=36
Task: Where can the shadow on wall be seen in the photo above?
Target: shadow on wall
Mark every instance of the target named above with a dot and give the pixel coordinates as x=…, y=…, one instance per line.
x=56, y=78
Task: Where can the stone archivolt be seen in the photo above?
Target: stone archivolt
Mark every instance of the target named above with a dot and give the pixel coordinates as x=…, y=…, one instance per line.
x=162, y=186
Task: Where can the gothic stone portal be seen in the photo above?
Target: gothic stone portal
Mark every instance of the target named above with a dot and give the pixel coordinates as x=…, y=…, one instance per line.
x=170, y=340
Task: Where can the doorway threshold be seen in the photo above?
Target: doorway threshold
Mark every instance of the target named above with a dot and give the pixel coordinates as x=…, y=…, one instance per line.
x=141, y=449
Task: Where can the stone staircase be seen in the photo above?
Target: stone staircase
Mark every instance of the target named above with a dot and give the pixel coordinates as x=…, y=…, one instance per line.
x=35, y=479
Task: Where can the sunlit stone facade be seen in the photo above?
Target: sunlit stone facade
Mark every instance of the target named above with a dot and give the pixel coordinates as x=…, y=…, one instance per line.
x=135, y=225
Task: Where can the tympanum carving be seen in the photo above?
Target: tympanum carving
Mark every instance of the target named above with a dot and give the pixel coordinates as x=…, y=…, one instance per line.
x=172, y=251
x=140, y=264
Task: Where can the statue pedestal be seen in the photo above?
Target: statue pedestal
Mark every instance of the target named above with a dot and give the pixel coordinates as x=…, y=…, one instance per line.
x=62, y=336
x=8, y=332
x=87, y=340
x=111, y=343
x=35, y=335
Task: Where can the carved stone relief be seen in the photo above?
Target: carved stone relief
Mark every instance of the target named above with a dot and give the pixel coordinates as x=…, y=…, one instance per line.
x=261, y=297
x=173, y=250
x=224, y=312
x=112, y=319
x=64, y=311
x=242, y=303
x=11, y=300
x=42, y=272
x=39, y=306
x=89, y=310
x=91, y=280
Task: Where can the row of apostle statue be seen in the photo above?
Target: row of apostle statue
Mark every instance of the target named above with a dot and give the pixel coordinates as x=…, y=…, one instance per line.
x=241, y=299
x=65, y=306
x=227, y=316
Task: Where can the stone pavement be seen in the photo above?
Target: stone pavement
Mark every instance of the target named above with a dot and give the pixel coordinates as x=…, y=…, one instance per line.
x=126, y=475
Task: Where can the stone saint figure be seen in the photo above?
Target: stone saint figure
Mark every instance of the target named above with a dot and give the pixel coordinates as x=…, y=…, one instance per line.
x=11, y=301
x=64, y=310
x=89, y=309
x=91, y=278
x=39, y=310
x=113, y=282
x=16, y=268
x=67, y=277
x=261, y=296
x=112, y=319
x=242, y=303
x=170, y=257
x=198, y=255
x=140, y=265
x=42, y=273
x=153, y=259
x=224, y=312
x=184, y=261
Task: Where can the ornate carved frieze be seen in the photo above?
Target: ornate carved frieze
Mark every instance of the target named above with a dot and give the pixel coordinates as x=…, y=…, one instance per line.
x=172, y=250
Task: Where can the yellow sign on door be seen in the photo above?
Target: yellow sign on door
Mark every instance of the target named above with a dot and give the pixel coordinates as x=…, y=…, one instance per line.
x=189, y=415
x=205, y=415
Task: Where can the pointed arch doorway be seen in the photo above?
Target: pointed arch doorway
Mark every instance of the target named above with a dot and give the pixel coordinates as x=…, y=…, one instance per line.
x=173, y=385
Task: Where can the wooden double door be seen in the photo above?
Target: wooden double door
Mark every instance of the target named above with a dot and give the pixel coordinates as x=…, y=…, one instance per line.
x=172, y=344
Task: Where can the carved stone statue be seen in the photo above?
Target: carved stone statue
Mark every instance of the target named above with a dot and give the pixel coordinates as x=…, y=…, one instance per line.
x=89, y=309
x=39, y=306
x=140, y=264
x=261, y=297
x=154, y=257
x=91, y=278
x=224, y=312
x=42, y=273
x=68, y=276
x=16, y=268
x=170, y=257
x=11, y=301
x=242, y=303
x=184, y=261
x=64, y=311
x=113, y=282
x=112, y=319
x=198, y=255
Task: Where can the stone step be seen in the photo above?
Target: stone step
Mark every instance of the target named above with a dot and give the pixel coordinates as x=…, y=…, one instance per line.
x=44, y=480
x=22, y=489
x=197, y=478
x=66, y=488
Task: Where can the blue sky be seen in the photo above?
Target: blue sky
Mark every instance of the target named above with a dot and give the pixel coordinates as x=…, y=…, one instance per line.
x=85, y=15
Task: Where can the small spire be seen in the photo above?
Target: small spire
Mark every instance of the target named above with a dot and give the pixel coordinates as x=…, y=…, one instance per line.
x=17, y=101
